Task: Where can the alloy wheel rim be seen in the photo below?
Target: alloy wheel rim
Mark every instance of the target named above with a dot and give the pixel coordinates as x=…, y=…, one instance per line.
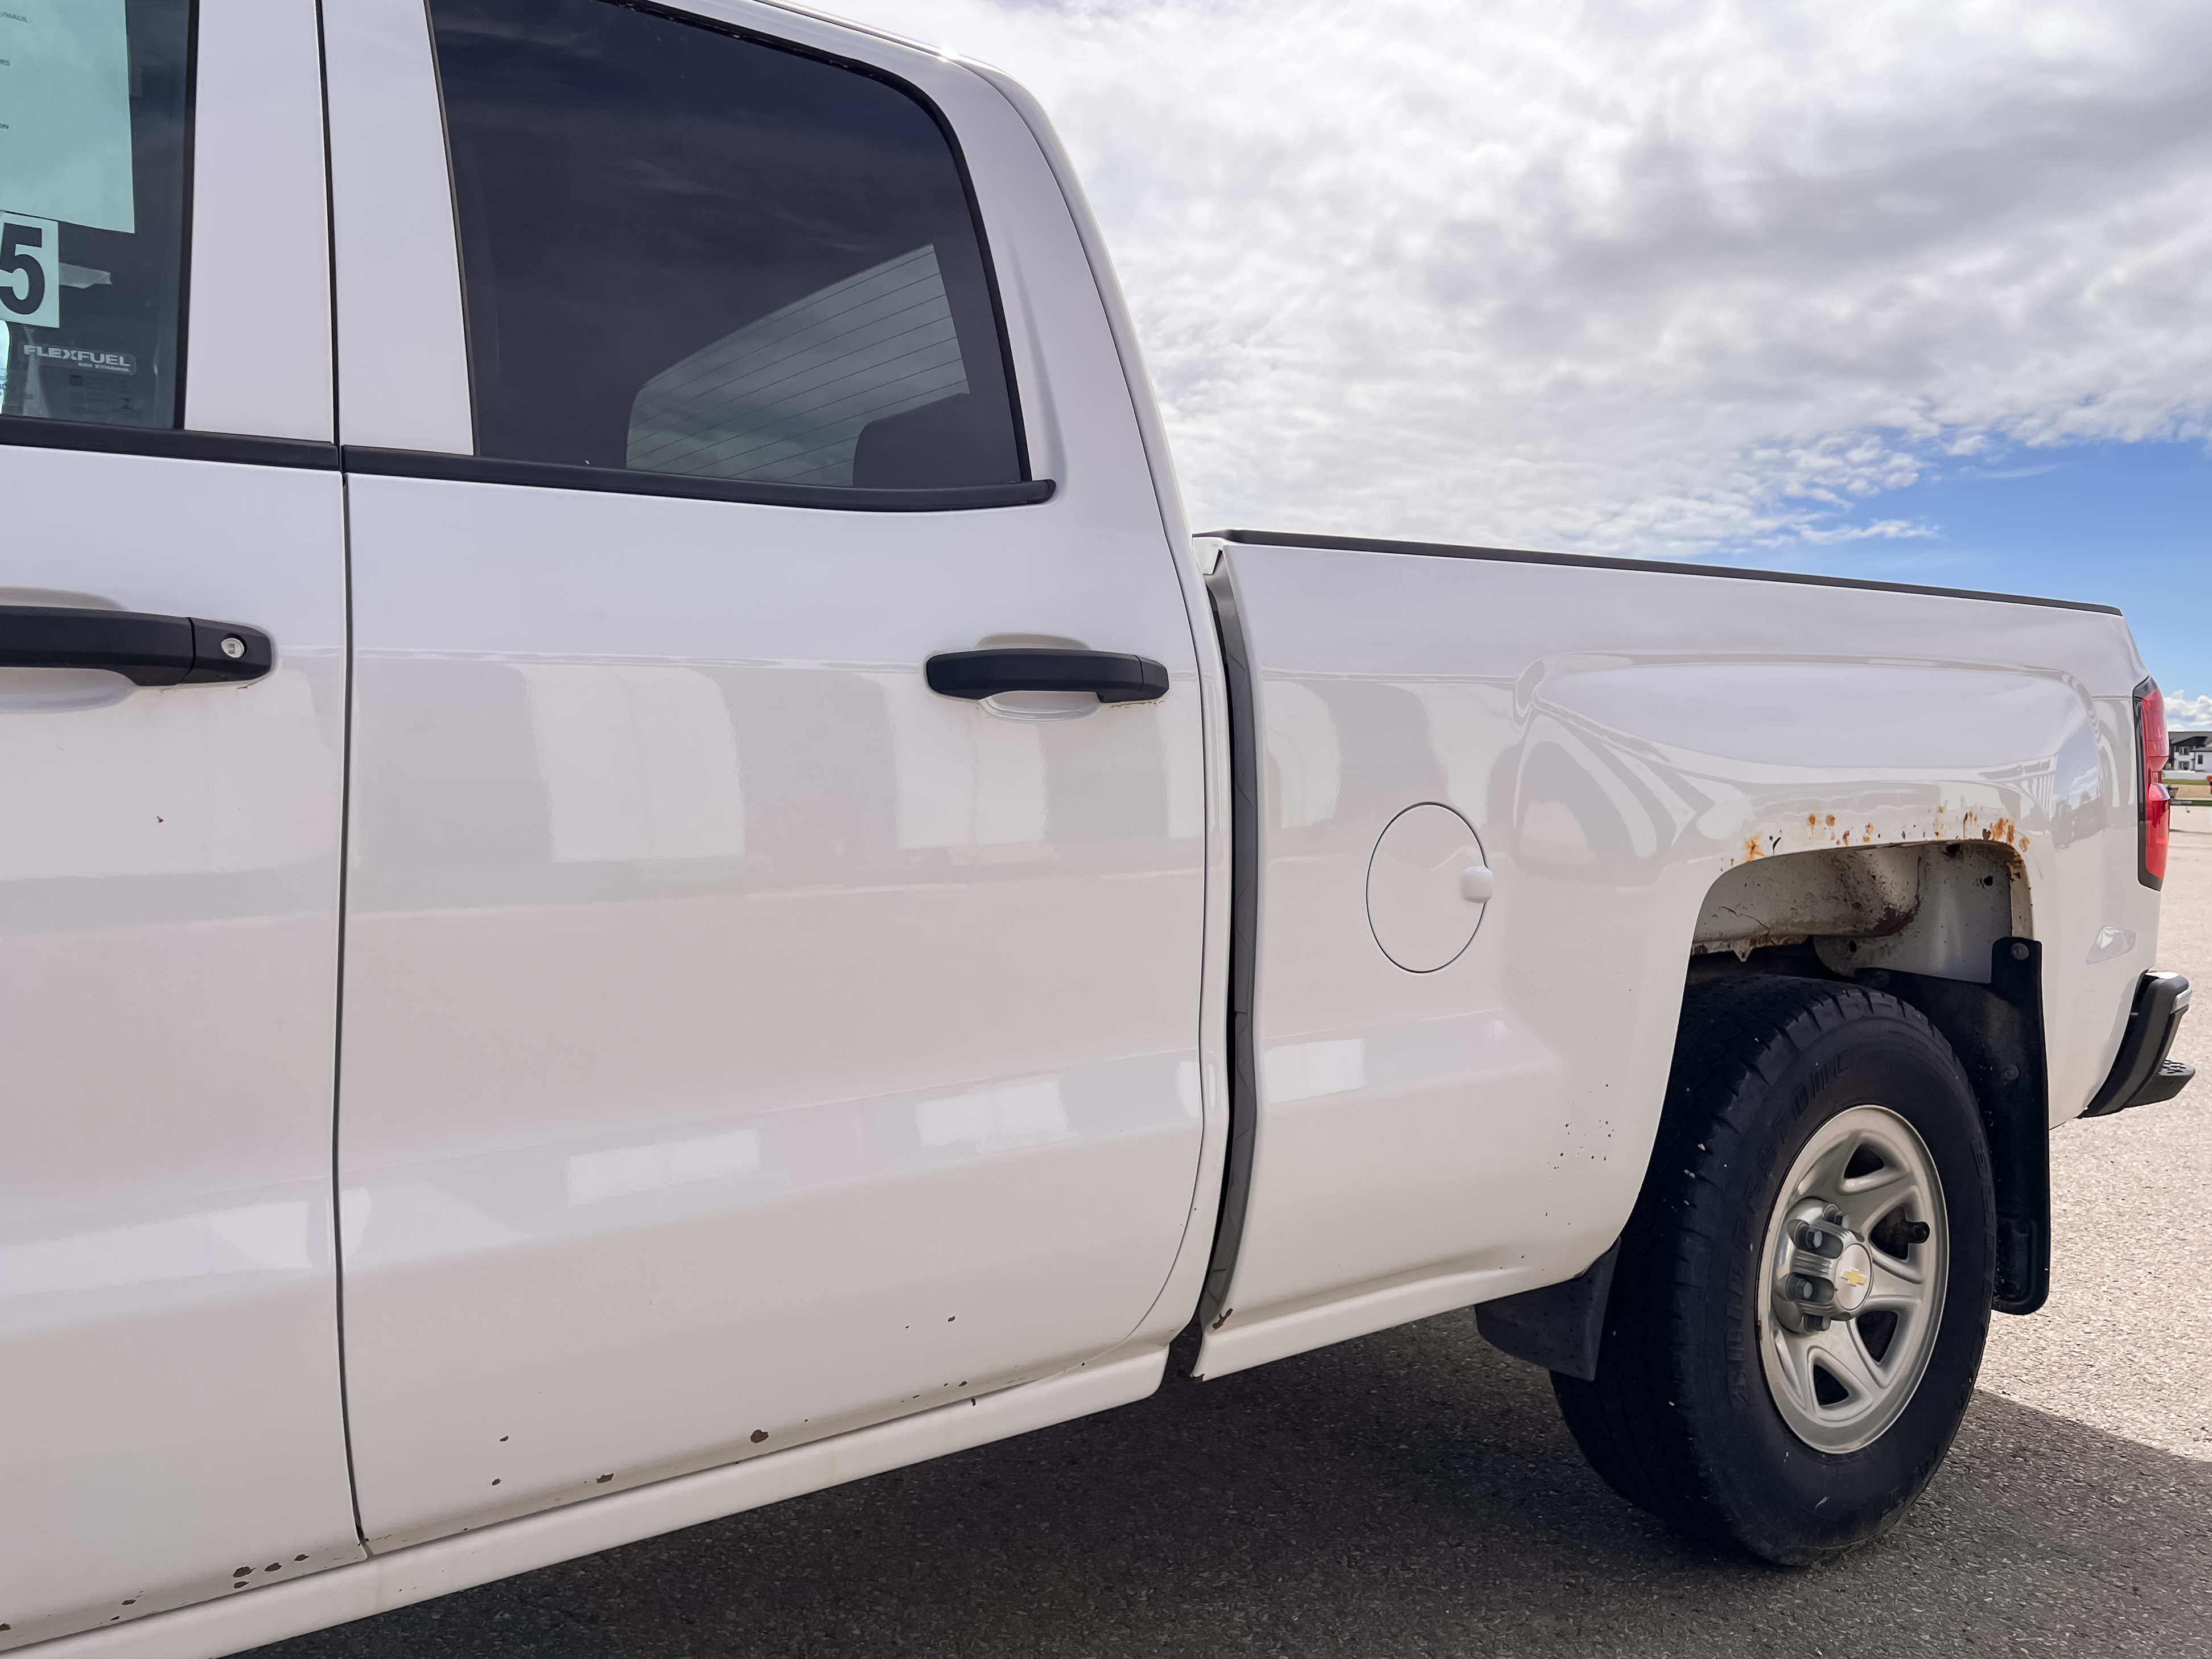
x=1847, y=1326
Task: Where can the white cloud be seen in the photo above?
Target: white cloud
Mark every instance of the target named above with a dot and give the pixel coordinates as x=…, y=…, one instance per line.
x=1631, y=276
x=2186, y=714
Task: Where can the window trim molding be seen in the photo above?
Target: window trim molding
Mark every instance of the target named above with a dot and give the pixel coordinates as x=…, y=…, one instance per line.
x=36, y=432
x=242, y=449
x=550, y=474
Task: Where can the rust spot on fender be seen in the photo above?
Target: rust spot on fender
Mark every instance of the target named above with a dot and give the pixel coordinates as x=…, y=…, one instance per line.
x=1752, y=848
x=759, y=1435
x=603, y=1480
x=1224, y=1320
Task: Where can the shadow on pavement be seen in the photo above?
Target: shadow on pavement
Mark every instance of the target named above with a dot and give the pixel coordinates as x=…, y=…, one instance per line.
x=1410, y=1494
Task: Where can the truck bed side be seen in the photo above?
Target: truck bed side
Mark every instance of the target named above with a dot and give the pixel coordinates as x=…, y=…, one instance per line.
x=1618, y=739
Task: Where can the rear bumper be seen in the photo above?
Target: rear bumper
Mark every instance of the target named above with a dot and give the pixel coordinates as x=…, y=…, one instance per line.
x=2142, y=1073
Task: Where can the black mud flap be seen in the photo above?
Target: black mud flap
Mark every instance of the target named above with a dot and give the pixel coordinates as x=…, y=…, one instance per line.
x=1996, y=1032
x=1557, y=1326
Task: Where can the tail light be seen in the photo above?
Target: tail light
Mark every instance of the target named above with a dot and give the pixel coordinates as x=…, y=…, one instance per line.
x=2157, y=805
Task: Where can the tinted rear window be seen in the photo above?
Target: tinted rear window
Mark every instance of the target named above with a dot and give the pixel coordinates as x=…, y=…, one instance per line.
x=687, y=253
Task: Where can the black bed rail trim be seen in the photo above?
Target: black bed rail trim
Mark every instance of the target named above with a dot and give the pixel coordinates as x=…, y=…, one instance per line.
x=30, y=432
x=546, y=475
x=1514, y=556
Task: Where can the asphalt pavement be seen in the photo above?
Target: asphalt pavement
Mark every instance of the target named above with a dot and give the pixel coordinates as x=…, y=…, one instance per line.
x=1415, y=1494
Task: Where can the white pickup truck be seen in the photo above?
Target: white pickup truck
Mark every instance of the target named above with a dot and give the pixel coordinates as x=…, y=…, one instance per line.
x=641, y=869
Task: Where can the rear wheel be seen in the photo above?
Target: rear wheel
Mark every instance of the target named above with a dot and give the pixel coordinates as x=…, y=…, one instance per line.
x=1800, y=1303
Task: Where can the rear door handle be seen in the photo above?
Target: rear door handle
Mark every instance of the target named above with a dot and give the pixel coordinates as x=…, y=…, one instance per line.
x=145, y=648
x=1112, y=676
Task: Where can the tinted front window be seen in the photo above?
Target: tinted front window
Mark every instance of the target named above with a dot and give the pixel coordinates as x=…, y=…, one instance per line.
x=687, y=253
x=94, y=106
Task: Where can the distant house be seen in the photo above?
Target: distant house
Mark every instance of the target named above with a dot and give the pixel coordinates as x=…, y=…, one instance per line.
x=2191, y=751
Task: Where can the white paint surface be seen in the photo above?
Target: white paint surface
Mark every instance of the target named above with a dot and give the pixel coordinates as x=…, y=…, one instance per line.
x=168, y=954
x=1618, y=738
x=743, y=1043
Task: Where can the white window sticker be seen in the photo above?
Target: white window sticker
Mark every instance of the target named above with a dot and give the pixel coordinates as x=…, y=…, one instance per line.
x=65, y=113
x=30, y=291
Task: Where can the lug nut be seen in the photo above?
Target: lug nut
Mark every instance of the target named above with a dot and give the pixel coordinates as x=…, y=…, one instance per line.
x=1818, y=1241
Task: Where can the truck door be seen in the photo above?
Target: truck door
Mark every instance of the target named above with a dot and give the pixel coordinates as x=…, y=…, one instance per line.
x=170, y=815
x=742, y=1041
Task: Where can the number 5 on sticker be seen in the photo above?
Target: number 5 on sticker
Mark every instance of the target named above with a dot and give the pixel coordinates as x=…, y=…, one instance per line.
x=29, y=258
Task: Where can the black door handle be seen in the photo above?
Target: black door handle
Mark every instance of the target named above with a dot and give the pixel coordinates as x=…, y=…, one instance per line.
x=145, y=648
x=1114, y=676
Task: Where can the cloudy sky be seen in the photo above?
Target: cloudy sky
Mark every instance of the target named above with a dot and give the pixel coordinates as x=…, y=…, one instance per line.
x=1911, y=291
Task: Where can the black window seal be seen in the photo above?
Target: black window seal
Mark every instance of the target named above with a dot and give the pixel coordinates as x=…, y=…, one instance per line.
x=853, y=66
x=34, y=432
x=551, y=474
x=182, y=367
x=1515, y=556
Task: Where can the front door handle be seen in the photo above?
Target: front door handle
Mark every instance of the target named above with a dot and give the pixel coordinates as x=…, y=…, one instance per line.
x=1112, y=676
x=145, y=648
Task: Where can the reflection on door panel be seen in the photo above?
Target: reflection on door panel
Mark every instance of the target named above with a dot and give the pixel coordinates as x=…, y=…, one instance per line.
x=744, y=1042
x=639, y=763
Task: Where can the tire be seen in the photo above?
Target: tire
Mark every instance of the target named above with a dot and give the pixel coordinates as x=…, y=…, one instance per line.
x=1711, y=1408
